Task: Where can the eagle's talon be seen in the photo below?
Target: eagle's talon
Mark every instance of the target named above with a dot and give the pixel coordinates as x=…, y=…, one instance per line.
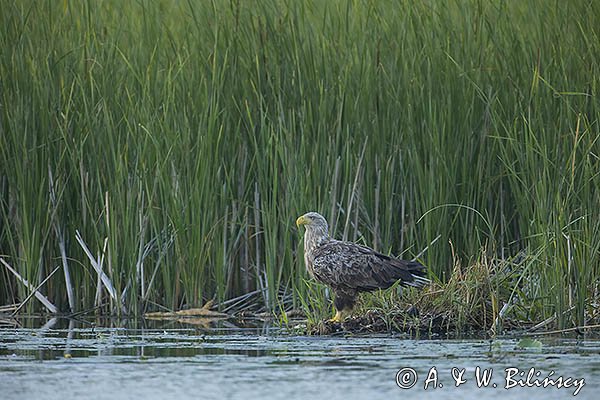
x=338, y=318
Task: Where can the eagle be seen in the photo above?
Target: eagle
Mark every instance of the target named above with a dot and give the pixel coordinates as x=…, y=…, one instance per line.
x=349, y=268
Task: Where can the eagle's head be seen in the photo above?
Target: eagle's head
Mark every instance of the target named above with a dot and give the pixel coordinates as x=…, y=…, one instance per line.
x=314, y=223
x=316, y=232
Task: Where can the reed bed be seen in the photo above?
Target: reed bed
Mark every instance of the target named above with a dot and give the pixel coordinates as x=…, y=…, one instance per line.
x=160, y=151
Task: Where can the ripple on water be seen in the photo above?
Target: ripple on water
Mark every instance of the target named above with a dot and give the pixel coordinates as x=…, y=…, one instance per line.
x=76, y=359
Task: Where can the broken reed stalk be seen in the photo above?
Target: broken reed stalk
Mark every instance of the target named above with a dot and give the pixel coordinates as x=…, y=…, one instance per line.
x=426, y=248
x=98, y=295
x=33, y=292
x=578, y=329
x=43, y=299
x=96, y=264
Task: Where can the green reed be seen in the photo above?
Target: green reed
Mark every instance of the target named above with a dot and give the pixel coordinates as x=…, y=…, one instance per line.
x=183, y=139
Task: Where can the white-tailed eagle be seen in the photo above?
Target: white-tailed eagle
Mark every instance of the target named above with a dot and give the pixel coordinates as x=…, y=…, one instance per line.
x=349, y=268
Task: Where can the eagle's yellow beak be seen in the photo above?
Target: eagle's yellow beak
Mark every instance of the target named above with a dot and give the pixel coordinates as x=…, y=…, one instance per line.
x=302, y=220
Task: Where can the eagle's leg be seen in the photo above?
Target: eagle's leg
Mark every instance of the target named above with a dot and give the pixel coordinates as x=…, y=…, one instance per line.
x=344, y=301
x=339, y=316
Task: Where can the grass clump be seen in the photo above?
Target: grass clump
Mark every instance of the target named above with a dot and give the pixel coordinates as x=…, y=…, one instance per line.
x=485, y=295
x=478, y=296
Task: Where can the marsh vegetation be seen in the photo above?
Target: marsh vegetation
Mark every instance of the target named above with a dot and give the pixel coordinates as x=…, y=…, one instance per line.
x=171, y=146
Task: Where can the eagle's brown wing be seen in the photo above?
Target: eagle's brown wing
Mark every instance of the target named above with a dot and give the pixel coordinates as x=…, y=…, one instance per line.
x=347, y=264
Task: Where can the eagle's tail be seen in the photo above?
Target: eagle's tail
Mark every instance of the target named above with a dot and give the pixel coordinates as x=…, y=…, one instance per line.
x=412, y=273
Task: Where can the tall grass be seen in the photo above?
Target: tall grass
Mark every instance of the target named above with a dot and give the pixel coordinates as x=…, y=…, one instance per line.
x=188, y=136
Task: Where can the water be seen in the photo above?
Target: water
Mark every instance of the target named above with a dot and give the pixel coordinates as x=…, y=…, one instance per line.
x=75, y=360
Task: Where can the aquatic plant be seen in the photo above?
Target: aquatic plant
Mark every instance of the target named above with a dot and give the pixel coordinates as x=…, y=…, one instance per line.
x=181, y=140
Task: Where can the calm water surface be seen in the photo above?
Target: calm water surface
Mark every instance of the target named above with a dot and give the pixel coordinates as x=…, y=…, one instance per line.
x=69, y=359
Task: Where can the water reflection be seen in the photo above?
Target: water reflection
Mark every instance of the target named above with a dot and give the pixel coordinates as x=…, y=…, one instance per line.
x=68, y=338
x=119, y=358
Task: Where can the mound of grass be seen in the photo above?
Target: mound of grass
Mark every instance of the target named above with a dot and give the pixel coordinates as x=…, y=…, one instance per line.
x=487, y=296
